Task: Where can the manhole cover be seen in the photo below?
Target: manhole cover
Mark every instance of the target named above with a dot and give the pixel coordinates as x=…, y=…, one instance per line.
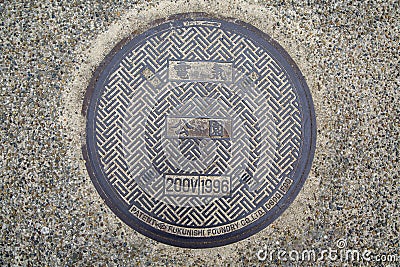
x=200, y=131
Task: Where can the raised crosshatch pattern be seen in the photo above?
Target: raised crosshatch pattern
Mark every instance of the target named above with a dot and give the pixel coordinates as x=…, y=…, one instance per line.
x=198, y=129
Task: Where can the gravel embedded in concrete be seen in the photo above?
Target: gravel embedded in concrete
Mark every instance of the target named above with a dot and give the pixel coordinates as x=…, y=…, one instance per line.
x=52, y=215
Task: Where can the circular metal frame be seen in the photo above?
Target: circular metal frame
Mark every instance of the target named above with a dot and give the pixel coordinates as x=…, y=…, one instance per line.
x=108, y=192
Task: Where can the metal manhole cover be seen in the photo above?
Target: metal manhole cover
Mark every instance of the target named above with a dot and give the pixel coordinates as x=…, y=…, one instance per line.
x=200, y=131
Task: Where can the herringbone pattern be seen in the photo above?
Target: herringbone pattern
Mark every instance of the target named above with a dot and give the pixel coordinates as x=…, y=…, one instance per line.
x=130, y=126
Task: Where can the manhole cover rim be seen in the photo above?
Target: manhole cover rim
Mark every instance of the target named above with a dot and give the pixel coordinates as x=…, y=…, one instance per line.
x=107, y=192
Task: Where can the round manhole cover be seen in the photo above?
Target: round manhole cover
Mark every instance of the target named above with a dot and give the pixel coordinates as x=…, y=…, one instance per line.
x=200, y=131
